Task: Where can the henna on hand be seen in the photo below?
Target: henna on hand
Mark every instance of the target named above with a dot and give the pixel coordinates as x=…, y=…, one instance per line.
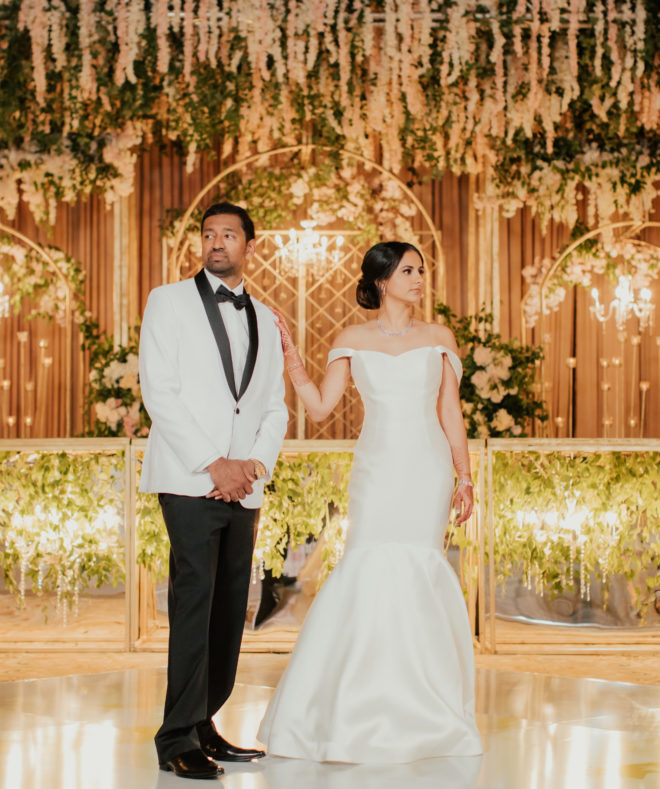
x=292, y=360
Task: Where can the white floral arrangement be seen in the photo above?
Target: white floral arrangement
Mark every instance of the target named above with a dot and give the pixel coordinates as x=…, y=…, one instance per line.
x=497, y=396
x=113, y=398
x=492, y=383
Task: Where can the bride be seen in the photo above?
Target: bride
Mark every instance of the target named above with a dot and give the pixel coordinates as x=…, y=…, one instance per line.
x=383, y=668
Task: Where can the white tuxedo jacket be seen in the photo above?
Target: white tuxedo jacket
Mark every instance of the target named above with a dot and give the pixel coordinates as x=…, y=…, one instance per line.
x=186, y=394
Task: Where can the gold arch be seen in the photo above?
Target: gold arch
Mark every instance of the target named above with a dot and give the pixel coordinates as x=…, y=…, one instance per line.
x=176, y=257
x=68, y=323
x=633, y=229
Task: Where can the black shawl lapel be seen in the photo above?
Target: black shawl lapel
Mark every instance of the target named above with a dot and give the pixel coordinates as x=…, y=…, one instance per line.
x=218, y=328
x=251, y=358
x=222, y=340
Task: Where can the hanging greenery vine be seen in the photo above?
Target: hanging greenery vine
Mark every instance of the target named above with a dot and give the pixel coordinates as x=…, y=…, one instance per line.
x=554, y=526
x=61, y=523
x=543, y=96
x=308, y=492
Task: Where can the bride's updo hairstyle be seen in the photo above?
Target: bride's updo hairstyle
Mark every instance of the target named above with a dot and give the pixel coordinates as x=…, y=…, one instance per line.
x=378, y=265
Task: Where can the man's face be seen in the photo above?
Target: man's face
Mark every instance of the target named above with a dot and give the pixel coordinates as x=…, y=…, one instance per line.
x=224, y=248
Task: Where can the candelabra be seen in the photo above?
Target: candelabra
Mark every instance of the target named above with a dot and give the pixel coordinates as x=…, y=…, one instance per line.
x=571, y=363
x=605, y=387
x=309, y=250
x=30, y=417
x=625, y=305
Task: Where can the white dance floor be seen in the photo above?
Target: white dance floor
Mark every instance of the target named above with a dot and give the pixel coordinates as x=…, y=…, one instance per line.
x=96, y=732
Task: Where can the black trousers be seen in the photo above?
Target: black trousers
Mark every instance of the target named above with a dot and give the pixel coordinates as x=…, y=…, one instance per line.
x=211, y=545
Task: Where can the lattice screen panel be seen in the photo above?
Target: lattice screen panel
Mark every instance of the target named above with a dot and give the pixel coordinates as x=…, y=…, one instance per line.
x=329, y=305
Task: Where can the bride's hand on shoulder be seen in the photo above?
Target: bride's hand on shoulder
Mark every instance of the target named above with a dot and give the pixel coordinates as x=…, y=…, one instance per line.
x=463, y=503
x=288, y=344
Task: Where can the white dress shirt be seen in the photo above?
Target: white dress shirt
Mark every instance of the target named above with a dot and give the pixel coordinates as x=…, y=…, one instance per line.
x=236, y=324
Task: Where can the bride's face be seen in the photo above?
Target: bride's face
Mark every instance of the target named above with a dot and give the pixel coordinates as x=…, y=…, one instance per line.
x=407, y=281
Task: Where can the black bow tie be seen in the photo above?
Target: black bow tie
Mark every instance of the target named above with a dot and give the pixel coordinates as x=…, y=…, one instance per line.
x=224, y=294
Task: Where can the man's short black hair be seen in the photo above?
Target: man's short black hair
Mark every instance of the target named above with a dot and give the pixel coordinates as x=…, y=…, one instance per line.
x=229, y=208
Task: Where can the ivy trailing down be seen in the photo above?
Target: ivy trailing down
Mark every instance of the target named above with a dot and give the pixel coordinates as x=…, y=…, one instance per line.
x=309, y=492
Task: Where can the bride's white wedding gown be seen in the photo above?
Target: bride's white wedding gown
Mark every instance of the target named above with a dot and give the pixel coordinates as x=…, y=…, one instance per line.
x=383, y=668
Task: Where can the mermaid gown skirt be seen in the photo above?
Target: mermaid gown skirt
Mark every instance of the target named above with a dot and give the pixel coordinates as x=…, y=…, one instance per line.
x=383, y=668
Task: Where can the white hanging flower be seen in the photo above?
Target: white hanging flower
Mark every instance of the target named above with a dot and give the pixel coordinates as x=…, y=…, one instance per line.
x=299, y=188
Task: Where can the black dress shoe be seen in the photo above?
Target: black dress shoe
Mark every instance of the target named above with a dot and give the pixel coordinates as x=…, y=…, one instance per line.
x=216, y=747
x=192, y=764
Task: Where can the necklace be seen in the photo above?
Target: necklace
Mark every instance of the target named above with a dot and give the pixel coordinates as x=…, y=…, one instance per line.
x=394, y=333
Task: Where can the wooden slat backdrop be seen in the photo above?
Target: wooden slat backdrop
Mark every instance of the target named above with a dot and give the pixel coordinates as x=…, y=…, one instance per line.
x=86, y=231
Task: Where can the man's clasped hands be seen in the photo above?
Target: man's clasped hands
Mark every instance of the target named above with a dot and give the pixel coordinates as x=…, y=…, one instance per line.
x=232, y=479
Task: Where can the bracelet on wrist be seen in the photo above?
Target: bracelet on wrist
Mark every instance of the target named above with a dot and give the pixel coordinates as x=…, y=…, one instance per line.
x=465, y=481
x=259, y=468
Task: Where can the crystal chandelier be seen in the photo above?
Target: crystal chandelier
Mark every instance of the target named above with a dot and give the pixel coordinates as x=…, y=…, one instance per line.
x=4, y=302
x=307, y=251
x=624, y=305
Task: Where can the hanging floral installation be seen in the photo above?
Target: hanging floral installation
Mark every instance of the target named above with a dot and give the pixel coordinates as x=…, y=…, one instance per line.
x=549, y=99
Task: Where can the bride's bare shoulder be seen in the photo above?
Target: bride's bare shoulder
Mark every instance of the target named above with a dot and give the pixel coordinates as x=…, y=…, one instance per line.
x=442, y=335
x=355, y=336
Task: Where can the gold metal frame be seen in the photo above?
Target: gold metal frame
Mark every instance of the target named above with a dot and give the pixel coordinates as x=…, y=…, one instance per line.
x=480, y=528
x=180, y=246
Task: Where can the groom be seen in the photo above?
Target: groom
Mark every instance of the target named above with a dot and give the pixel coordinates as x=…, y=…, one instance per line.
x=211, y=376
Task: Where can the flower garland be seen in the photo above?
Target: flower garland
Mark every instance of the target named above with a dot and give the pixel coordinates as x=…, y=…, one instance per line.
x=537, y=95
x=497, y=396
